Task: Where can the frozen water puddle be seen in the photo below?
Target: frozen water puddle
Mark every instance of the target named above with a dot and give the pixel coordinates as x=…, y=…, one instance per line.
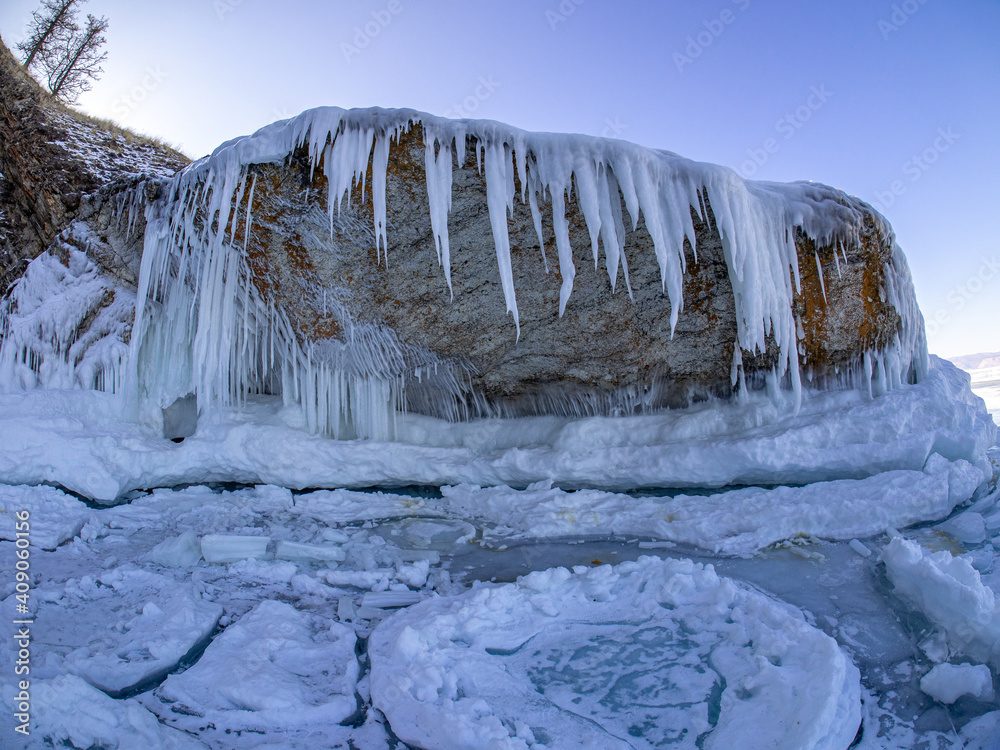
x=646, y=654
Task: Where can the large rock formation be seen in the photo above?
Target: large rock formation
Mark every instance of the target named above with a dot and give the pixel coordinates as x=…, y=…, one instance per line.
x=609, y=347
x=526, y=274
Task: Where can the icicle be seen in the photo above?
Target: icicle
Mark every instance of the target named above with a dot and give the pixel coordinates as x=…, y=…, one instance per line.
x=380, y=166
x=499, y=204
x=819, y=270
x=437, y=165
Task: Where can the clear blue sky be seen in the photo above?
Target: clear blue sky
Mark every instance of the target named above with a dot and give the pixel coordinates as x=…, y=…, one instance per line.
x=846, y=93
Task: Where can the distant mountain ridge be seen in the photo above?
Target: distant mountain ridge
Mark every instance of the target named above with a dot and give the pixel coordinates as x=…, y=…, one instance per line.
x=976, y=361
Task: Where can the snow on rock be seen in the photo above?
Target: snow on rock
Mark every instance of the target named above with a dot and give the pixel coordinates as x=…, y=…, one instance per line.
x=123, y=629
x=54, y=517
x=69, y=712
x=275, y=670
x=949, y=682
x=949, y=591
x=64, y=325
x=203, y=327
x=607, y=657
x=80, y=441
x=737, y=522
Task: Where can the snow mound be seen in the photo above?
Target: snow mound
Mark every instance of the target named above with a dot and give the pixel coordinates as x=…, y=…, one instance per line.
x=737, y=522
x=125, y=629
x=274, y=669
x=69, y=712
x=80, y=441
x=949, y=682
x=613, y=658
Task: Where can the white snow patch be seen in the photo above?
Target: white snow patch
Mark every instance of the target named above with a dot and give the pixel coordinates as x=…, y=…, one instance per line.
x=949, y=682
x=53, y=516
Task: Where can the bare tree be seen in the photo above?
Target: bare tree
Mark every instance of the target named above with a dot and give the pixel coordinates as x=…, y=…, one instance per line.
x=78, y=63
x=50, y=25
x=67, y=57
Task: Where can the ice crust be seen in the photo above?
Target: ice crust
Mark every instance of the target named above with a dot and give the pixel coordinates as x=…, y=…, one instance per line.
x=69, y=712
x=199, y=311
x=655, y=643
x=737, y=522
x=82, y=441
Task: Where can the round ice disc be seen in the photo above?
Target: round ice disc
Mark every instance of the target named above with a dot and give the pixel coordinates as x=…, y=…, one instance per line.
x=655, y=653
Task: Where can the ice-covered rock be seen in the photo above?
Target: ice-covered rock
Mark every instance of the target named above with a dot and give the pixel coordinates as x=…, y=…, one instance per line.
x=708, y=282
x=612, y=657
x=949, y=682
